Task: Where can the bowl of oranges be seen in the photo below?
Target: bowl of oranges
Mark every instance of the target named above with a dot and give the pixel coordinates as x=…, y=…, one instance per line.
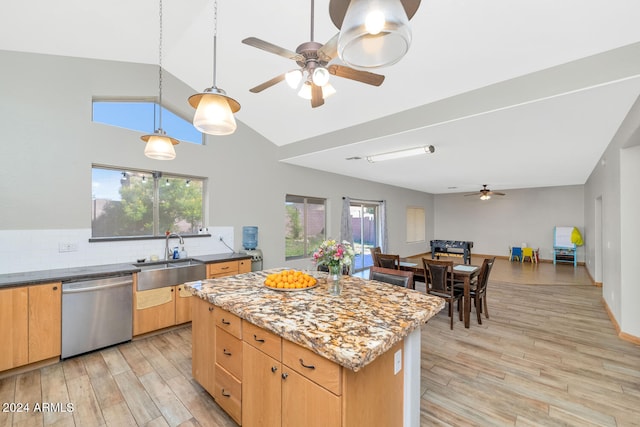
x=290, y=280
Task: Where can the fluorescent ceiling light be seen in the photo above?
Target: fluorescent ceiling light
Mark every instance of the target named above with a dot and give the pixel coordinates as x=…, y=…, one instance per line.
x=401, y=153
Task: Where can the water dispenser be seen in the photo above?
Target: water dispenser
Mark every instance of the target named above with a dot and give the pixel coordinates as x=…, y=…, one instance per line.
x=249, y=237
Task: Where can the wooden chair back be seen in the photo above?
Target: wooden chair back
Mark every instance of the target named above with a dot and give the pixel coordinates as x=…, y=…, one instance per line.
x=374, y=255
x=388, y=261
x=483, y=277
x=395, y=277
x=439, y=277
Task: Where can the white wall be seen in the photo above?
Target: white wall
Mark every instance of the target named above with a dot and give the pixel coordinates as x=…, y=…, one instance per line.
x=49, y=144
x=630, y=236
x=605, y=203
x=521, y=216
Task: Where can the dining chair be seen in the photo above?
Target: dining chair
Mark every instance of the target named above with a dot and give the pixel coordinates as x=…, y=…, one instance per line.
x=388, y=261
x=479, y=292
x=395, y=277
x=374, y=255
x=515, y=253
x=439, y=277
x=528, y=253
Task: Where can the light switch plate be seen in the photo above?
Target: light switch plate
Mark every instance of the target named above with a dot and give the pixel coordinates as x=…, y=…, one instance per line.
x=397, y=362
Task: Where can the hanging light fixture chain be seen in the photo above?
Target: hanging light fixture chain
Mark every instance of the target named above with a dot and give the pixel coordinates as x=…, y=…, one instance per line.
x=215, y=38
x=160, y=72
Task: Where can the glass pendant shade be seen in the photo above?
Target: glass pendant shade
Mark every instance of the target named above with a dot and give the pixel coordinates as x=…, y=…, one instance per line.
x=293, y=78
x=214, y=113
x=374, y=33
x=159, y=147
x=305, y=91
x=320, y=76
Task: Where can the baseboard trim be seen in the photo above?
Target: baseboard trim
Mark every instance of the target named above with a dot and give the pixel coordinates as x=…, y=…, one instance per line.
x=622, y=335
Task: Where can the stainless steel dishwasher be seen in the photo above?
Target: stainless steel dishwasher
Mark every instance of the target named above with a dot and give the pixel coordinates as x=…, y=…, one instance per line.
x=96, y=313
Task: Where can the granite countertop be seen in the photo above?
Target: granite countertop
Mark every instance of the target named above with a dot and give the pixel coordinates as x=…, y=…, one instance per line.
x=352, y=329
x=89, y=272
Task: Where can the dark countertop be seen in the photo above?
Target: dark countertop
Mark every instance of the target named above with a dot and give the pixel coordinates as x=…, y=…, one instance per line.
x=92, y=271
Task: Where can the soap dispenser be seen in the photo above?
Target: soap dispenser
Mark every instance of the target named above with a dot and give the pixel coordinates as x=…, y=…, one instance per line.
x=183, y=253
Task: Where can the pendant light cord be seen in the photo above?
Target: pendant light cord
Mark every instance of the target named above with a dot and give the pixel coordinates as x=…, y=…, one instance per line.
x=215, y=38
x=160, y=74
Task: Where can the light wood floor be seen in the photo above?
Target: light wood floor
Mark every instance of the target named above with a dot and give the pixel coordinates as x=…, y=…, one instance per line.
x=548, y=356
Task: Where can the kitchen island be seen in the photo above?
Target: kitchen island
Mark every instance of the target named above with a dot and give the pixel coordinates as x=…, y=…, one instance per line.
x=282, y=358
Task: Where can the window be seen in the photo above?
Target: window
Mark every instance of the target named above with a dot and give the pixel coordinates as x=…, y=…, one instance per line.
x=130, y=203
x=415, y=225
x=365, y=226
x=141, y=116
x=304, y=224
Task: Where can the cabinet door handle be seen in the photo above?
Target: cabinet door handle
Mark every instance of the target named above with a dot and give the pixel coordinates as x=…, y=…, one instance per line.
x=226, y=394
x=256, y=338
x=306, y=366
x=171, y=289
x=274, y=369
x=284, y=376
x=224, y=322
x=226, y=353
x=210, y=308
x=55, y=288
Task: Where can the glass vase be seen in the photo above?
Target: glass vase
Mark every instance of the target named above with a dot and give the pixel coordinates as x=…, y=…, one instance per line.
x=334, y=279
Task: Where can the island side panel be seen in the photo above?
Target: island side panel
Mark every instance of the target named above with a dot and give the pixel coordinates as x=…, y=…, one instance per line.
x=411, y=368
x=374, y=396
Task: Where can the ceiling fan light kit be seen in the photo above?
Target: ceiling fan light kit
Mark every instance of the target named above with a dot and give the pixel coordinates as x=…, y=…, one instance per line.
x=214, y=109
x=485, y=193
x=373, y=33
x=315, y=71
x=429, y=149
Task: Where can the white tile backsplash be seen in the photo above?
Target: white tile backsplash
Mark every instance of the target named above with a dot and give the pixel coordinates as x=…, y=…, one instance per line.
x=33, y=250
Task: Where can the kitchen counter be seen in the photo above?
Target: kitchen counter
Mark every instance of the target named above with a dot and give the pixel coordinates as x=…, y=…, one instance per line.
x=88, y=272
x=353, y=329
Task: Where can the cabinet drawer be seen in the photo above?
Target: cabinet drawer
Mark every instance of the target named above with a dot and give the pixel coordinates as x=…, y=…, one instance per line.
x=263, y=340
x=228, y=393
x=313, y=366
x=219, y=269
x=229, y=322
x=229, y=353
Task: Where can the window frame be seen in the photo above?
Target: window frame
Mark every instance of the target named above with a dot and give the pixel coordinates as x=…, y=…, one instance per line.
x=307, y=249
x=168, y=115
x=155, y=178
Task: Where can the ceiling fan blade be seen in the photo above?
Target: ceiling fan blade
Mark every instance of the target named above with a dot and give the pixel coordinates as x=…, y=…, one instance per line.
x=316, y=96
x=357, y=75
x=497, y=193
x=473, y=194
x=267, y=84
x=272, y=48
x=329, y=50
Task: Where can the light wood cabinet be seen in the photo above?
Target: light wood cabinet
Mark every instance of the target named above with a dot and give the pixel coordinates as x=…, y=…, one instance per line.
x=261, y=388
x=153, y=309
x=31, y=323
x=45, y=321
x=203, y=330
x=228, y=268
x=183, y=305
x=160, y=308
x=14, y=318
x=280, y=377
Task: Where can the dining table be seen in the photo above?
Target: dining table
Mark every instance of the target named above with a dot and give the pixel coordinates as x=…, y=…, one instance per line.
x=463, y=273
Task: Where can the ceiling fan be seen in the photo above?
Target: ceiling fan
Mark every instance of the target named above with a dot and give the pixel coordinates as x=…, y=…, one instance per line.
x=313, y=59
x=485, y=193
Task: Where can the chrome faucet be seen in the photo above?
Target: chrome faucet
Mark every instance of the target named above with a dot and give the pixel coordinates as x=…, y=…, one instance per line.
x=167, y=255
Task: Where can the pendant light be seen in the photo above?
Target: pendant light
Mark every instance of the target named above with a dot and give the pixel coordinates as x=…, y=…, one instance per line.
x=214, y=109
x=159, y=146
x=373, y=33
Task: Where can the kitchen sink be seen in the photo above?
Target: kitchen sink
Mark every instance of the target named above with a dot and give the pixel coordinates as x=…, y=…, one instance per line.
x=169, y=273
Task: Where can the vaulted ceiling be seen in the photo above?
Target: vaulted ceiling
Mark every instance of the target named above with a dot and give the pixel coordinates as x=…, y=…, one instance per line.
x=513, y=94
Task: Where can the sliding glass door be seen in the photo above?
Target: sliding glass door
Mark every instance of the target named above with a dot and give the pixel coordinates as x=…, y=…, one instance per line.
x=366, y=232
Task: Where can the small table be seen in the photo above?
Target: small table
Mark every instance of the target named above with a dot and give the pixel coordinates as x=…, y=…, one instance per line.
x=462, y=273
